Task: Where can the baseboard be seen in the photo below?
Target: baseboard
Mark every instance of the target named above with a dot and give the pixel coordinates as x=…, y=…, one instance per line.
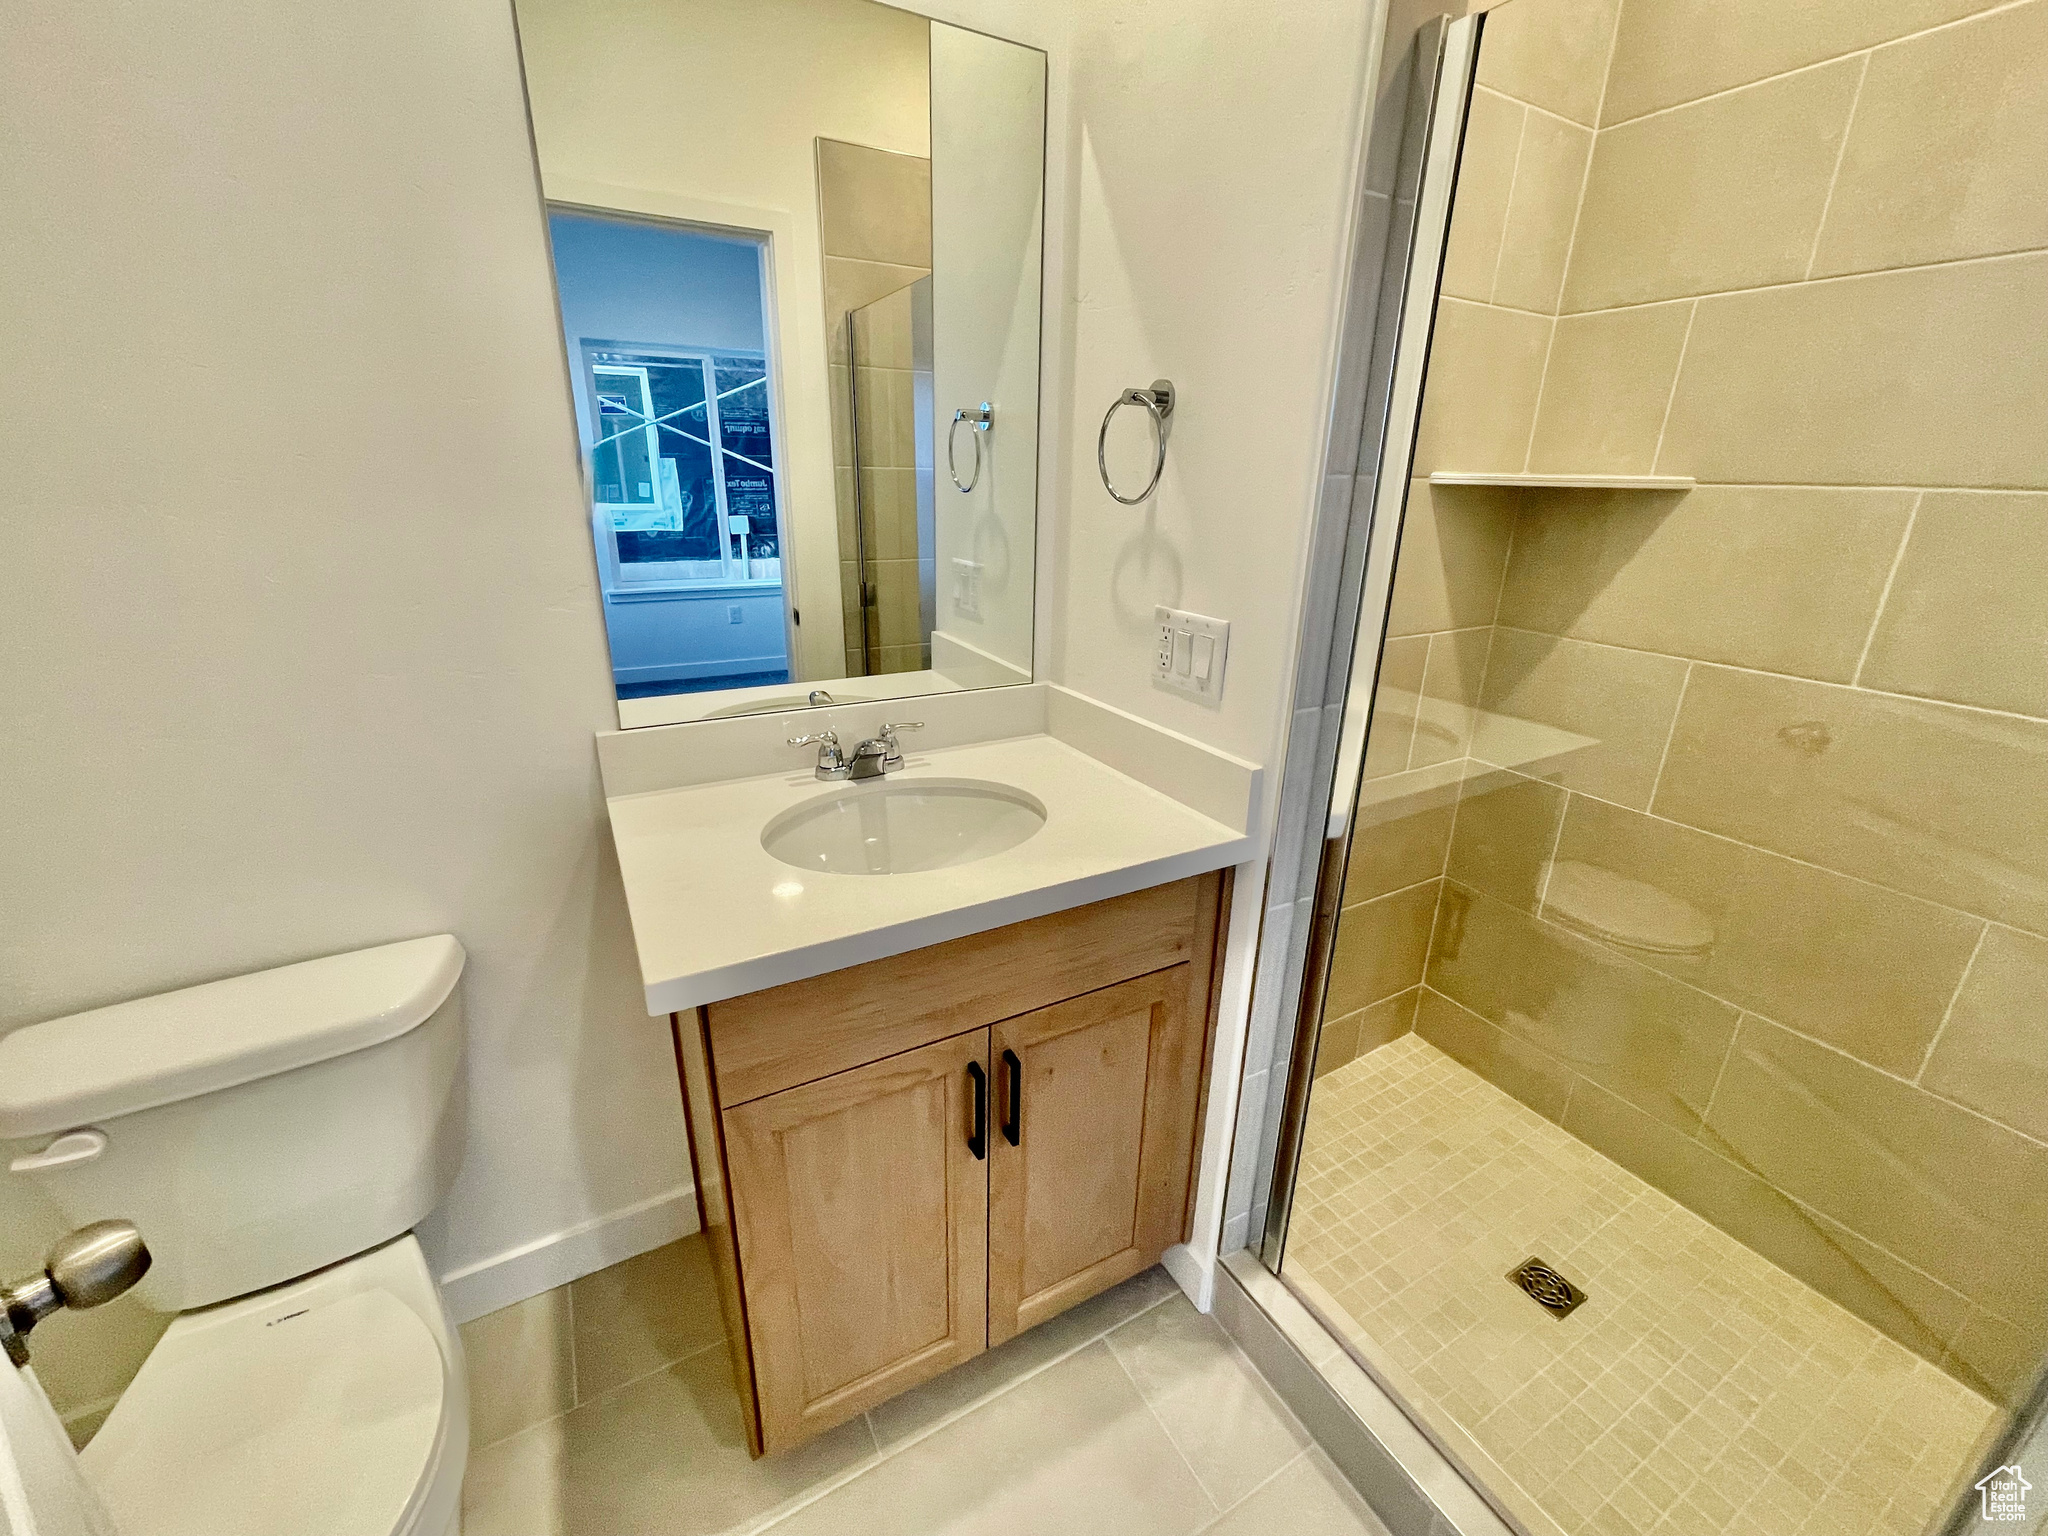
x=560, y=1257
x=1195, y=1276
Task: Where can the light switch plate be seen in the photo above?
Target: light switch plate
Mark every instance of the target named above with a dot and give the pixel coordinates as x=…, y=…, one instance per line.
x=967, y=587
x=1189, y=652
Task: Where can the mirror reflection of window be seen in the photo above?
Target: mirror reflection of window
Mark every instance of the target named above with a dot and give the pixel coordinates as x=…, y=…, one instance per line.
x=673, y=406
x=734, y=189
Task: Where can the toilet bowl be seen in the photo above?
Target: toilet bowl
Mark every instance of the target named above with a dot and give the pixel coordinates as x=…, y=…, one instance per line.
x=275, y=1137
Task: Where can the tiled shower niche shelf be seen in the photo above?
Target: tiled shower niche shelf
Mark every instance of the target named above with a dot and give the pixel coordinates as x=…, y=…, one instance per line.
x=1567, y=482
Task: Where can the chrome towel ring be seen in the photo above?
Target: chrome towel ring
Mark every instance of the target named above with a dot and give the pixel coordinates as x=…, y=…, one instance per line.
x=1158, y=403
x=979, y=419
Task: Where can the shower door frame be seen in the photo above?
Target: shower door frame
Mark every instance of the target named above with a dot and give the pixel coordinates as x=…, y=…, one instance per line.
x=1384, y=1445
x=1382, y=369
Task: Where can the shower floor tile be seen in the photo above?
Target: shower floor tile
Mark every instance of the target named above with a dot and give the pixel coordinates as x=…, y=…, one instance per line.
x=1699, y=1391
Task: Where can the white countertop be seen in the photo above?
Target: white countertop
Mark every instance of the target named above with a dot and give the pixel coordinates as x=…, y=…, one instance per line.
x=715, y=916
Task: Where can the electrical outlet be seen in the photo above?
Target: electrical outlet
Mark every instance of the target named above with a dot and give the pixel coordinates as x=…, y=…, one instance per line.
x=1189, y=652
x=733, y=614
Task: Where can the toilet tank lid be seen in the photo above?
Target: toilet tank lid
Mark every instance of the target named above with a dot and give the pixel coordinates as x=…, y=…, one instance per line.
x=70, y=1072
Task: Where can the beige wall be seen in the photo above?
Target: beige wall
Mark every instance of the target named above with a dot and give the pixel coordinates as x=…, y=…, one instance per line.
x=643, y=95
x=1807, y=267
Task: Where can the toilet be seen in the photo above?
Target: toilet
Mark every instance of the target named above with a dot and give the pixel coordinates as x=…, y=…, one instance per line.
x=276, y=1137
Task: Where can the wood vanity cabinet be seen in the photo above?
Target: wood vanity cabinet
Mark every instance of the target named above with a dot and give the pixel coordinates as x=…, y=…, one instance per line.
x=905, y=1163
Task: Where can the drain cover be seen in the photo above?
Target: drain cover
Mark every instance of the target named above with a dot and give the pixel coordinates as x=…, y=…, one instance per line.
x=1546, y=1286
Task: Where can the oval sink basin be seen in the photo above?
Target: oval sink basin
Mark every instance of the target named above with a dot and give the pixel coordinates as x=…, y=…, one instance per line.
x=880, y=828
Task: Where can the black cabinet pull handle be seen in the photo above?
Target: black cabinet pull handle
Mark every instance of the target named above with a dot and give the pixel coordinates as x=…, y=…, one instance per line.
x=977, y=1139
x=1013, y=1112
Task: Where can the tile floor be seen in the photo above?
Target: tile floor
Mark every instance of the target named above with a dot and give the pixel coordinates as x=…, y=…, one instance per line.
x=607, y=1409
x=1700, y=1391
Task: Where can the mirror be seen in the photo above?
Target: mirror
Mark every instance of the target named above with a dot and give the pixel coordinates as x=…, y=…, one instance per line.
x=797, y=249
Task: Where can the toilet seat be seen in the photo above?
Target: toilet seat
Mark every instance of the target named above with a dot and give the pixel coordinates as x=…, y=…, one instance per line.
x=318, y=1409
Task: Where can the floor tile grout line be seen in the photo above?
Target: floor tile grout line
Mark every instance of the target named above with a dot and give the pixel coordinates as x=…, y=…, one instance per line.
x=1253, y=1492
x=1884, y=596
x=1818, y=64
x=578, y=1400
x=1835, y=176
x=882, y=1455
x=1948, y=1013
x=1152, y=1409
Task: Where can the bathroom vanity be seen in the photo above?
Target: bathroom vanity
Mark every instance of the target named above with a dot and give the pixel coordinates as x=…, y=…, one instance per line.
x=903, y=1164
x=941, y=1082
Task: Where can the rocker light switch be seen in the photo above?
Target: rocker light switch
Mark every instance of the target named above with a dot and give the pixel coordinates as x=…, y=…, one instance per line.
x=1190, y=652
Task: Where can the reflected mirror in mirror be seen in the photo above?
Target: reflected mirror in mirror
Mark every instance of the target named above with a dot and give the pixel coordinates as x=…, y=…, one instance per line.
x=797, y=247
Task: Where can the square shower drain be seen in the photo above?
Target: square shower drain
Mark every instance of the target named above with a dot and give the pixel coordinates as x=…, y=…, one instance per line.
x=1546, y=1287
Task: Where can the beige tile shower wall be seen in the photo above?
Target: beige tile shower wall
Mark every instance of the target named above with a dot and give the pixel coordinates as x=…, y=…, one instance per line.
x=1807, y=266
x=875, y=230
x=887, y=387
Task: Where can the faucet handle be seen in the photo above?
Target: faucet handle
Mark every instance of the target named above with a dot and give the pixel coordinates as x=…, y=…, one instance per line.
x=832, y=765
x=893, y=759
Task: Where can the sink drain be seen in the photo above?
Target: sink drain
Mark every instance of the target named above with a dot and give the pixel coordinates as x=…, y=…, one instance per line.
x=1546, y=1287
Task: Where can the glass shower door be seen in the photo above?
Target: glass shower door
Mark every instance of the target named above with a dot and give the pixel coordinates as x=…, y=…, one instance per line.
x=890, y=552
x=1667, y=1119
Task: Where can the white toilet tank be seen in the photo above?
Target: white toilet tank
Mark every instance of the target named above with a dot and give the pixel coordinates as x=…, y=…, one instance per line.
x=254, y=1129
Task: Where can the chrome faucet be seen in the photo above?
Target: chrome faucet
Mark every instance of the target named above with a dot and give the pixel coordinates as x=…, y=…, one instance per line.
x=832, y=767
x=818, y=699
x=880, y=754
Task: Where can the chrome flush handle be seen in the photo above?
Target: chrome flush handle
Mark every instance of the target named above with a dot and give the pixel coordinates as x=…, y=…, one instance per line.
x=87, y=1267
x=832, y=766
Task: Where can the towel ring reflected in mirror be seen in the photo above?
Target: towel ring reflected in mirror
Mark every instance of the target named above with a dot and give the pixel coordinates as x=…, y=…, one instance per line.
x=1157, y=402
x=980, y=418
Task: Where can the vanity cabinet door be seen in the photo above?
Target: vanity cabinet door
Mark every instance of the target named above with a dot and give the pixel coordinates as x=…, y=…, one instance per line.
x=861, y=1209
x=1095, y=1103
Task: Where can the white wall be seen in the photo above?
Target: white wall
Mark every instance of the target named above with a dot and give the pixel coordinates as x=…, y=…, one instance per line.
x=988, y=158
x=299, y=634
x=307, y=654
x=1200, y=172
x=650, y=94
